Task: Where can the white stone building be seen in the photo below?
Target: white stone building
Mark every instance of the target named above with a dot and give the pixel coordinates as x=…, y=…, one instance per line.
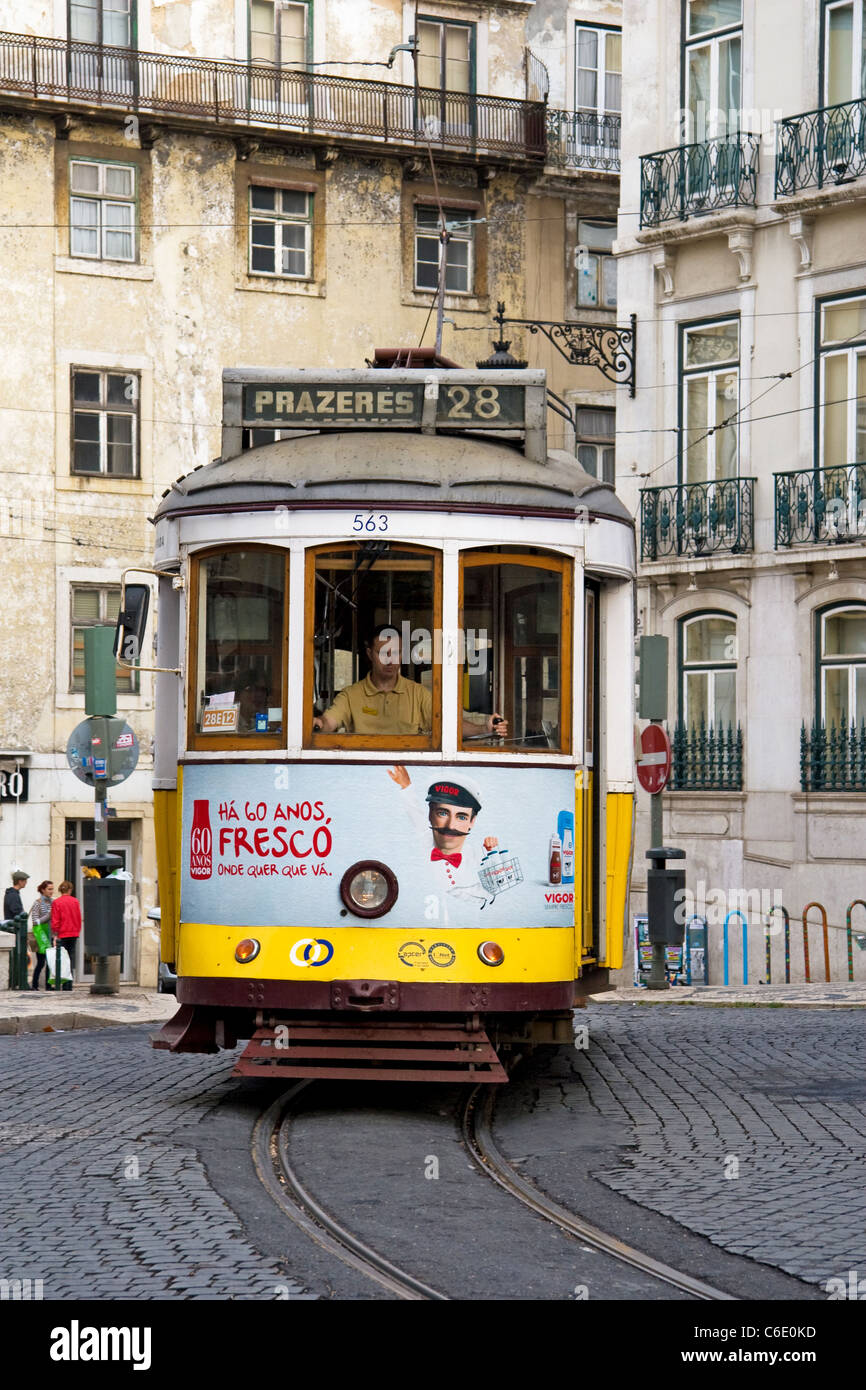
x=742, y=249
x=187, y=185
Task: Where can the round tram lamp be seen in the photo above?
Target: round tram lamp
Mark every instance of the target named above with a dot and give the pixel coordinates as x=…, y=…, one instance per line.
x=491, y=953
x=368, y=888
x=247, y=950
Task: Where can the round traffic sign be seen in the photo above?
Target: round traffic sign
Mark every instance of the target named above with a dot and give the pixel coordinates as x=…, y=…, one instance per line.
x=654, y=767
x=93, y=763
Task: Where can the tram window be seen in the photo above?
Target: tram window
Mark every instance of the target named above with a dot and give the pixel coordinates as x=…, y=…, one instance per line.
x=240, y=640
x=517, y=630
x=363, y=683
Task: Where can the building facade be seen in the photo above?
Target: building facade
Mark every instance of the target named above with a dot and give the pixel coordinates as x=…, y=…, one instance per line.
x=742, y=251
x=191, y=186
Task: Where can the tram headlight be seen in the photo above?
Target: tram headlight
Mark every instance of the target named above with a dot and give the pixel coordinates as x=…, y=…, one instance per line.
x=491, y=953
x=247, y=950
x=369, y=888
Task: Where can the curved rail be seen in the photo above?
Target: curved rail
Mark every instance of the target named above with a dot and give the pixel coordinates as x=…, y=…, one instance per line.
x=270, y=1149
x=478, y=1134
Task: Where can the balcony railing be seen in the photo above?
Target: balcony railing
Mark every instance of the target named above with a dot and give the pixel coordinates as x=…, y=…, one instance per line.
x=834, y=759
x=705, y=759
x=820, y=506
x=692, y=180
x=243, y=95
x=827, y=146
x=697, y=518
x=583, y=140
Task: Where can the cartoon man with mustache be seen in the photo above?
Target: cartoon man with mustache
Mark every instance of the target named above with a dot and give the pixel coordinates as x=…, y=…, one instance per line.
x=452, y=807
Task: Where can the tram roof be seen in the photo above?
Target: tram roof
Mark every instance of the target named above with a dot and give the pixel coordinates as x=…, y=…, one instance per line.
x=373, y=466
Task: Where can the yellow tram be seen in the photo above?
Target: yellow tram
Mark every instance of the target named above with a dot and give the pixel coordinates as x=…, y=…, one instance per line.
x=394, y=754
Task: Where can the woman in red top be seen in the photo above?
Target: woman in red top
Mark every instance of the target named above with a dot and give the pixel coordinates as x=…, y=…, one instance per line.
x=66, y=922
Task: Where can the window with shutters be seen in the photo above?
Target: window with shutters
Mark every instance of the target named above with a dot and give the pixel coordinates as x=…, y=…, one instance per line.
x=94, y=606
x=105, y=415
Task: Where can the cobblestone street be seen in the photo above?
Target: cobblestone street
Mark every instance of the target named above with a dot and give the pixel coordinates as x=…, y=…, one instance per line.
x=745, y=1126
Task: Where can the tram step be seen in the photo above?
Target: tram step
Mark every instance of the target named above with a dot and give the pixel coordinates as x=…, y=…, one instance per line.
x=384, y=1052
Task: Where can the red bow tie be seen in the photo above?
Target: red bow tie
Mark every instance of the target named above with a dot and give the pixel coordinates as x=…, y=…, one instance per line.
x=452, y=859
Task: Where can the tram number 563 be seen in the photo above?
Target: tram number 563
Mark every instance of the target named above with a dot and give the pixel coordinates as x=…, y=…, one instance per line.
x=373, y=521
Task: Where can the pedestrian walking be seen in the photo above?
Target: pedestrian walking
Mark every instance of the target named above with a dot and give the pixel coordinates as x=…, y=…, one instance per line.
x=66, y=922
x=40, y=916
x=12, y=904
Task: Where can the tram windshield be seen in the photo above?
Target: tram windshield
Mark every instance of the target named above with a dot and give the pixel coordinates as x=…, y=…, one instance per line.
x=514, y=617
x=239, y=642
x=374, y=668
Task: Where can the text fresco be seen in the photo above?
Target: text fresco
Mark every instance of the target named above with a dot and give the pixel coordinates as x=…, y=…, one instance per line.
x=269, y=845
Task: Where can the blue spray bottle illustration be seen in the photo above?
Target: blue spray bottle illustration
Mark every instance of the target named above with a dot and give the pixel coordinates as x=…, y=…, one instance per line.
x=565, y=831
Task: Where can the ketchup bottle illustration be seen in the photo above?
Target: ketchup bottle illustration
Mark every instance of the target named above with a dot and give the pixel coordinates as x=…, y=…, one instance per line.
x=200, y=842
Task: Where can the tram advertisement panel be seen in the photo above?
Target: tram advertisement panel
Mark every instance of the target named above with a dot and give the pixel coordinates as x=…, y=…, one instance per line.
x=268, y=845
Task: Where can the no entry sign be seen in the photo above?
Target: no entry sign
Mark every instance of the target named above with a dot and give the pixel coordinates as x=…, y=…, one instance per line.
x=654, y=767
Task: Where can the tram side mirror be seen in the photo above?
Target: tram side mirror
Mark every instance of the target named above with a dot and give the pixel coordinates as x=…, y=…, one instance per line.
x=131, y=623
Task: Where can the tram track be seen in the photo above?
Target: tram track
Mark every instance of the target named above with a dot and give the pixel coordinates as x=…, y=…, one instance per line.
x=272, y=1156
x=477, y=1125
x=272, y=1159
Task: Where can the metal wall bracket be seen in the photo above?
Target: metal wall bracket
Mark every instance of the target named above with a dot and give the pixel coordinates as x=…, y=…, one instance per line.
x=601, y=345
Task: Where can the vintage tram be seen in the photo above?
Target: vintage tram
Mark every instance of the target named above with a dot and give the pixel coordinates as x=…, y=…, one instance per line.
x=394, y=738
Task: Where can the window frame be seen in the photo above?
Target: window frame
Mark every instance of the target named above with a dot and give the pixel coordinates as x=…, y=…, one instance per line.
x=100, y=14
x=101, y=199
x=445, y=22
x=598, y=442
x=103, y=411
x=601, y=70
x=823, y=664
x=133, y=674
x=602, y=259
x=552, y=561
x=277, y=62
x=468, y=240
x=712, y=38
x=279, y=220
x=710, y=667
x=196, y=741
x=686, y=373
x=852, y=350
x=859, y=23
x=313, y=740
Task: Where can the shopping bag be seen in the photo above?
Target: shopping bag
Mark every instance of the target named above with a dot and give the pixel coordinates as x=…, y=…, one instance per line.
x=65, y=963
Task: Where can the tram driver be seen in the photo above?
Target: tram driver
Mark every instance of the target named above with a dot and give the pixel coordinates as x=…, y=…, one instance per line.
x=385, y=702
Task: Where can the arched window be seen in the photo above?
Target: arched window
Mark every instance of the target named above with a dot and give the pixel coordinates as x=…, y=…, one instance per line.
x=708, y=671
x=842, y=666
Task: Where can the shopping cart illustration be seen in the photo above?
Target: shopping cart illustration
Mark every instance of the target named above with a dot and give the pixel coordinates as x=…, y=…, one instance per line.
x=499, y=871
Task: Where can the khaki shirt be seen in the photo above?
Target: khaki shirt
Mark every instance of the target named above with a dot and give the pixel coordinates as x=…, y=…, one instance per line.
x=407, y=709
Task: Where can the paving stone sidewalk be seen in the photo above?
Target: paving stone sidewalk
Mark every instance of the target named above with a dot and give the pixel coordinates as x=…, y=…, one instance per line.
x=749, y=1126
x=102, y=1191
x=45, y=1011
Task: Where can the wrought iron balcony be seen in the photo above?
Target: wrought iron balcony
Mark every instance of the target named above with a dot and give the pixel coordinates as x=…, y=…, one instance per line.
x=820, y=506
x=692, y=180
x=834, y=759
x=697, y=518
x=704, y=760
x=63, y=75
x=827, y=146
x=583, y=140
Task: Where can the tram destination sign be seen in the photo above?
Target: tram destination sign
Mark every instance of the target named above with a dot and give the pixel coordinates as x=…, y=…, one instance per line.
x=447, y=400
x=328, y=407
